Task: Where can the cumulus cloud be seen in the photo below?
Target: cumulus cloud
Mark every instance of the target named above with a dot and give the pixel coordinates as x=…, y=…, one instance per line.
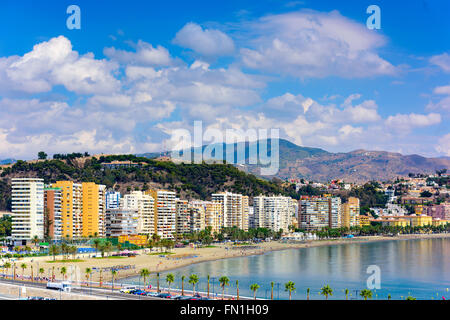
x=145, y=54
x=53, y=63
x=308, y=44
x=206, y=42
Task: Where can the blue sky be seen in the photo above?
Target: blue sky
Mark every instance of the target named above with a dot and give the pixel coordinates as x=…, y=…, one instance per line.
x=138, y=70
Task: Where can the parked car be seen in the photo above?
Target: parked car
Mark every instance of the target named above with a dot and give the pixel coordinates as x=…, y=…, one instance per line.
x=152, y=294
x=165, y=295
x=127, y=289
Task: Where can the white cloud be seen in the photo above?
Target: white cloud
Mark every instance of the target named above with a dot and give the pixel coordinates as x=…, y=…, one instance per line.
x=307, y=44
x=207, y=42
x=53, y=63
x=412, y=120
x=145, y=55
x=444, y=145
x=443, y=61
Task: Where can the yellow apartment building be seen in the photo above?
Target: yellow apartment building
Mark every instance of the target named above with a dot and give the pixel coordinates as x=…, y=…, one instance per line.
x=71, y=208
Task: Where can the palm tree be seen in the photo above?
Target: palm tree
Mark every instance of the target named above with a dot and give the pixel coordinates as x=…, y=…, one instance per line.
x=307, y=293
x=88, y=272
x=193, y=279
x=63, y=272
x=113, y=273
x=23, y=266
x=224, y=281
x=346, y=293
x=144, y=274
x=389, y=296
x=254, y=287
x=366, y=293
x=7, y=265
x=41, y=272
x=208, y=277
x=271, y=290
x=157, y=280
x=53, y=250
x=35, y=240
x=289, y=286
x=182, y=285
x=237, y=289
x=326, y=291
x=96, y=245
x=169, y=279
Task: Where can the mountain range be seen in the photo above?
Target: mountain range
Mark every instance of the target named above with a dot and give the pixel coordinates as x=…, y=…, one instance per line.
x=320, y=165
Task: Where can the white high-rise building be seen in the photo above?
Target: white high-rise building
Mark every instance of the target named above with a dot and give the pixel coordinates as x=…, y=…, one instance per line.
x=165, y=212
x=274, y=213
x=27, y=202
x=145, y=205
x=234, y=209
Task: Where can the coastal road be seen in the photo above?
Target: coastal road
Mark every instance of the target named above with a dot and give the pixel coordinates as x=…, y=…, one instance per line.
x=104, y=293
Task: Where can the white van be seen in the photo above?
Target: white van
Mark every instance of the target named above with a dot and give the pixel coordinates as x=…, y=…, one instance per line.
x=61, y=286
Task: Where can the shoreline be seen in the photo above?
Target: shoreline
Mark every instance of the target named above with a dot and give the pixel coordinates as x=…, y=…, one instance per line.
x=183, y=257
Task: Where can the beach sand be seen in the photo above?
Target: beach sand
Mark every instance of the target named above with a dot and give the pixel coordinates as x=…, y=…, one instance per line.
x=180, y=257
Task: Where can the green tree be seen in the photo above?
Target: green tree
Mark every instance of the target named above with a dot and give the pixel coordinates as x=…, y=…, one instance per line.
x=88, y=272
x=289, y=286
x=224, y=281
x=113, y=274
x=182, y=284
x=53, y=250
x=63, y=272
x=144, y=273
x=308, y=290
x=326, y=291
x=193, y=279
x=42, y=155
x=271, y=290
x=254, y=287
x=23, y=266
x=170, y=278
x=366, y=294
x=346, y=293
x=7, y=266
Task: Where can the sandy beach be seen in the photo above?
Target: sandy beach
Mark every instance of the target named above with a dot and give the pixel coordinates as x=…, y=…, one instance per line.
x=179, y=257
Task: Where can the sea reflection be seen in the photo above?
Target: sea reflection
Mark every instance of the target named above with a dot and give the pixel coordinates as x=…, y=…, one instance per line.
x=408, y=267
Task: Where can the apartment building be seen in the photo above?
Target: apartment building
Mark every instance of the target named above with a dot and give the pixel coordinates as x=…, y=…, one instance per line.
x=52, y=213
x=121, y=222
x=112, y=199
x=27, y=204
x=165, y=212
x=71, y=208
x=234, y=209
x=274, y=213
x=198, y=217
x=183, y=223
x=350, y=213
x=213, y=214
x=94, y=208
x=320, y=212
x=145, y=205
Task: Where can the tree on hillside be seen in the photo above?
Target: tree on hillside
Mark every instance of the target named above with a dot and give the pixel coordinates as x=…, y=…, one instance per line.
x=42, y=155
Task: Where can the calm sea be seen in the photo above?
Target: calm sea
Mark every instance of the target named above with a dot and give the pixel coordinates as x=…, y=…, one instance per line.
x=420, y=268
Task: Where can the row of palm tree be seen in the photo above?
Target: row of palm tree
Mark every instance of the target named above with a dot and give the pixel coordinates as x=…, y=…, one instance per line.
x=326, y=290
